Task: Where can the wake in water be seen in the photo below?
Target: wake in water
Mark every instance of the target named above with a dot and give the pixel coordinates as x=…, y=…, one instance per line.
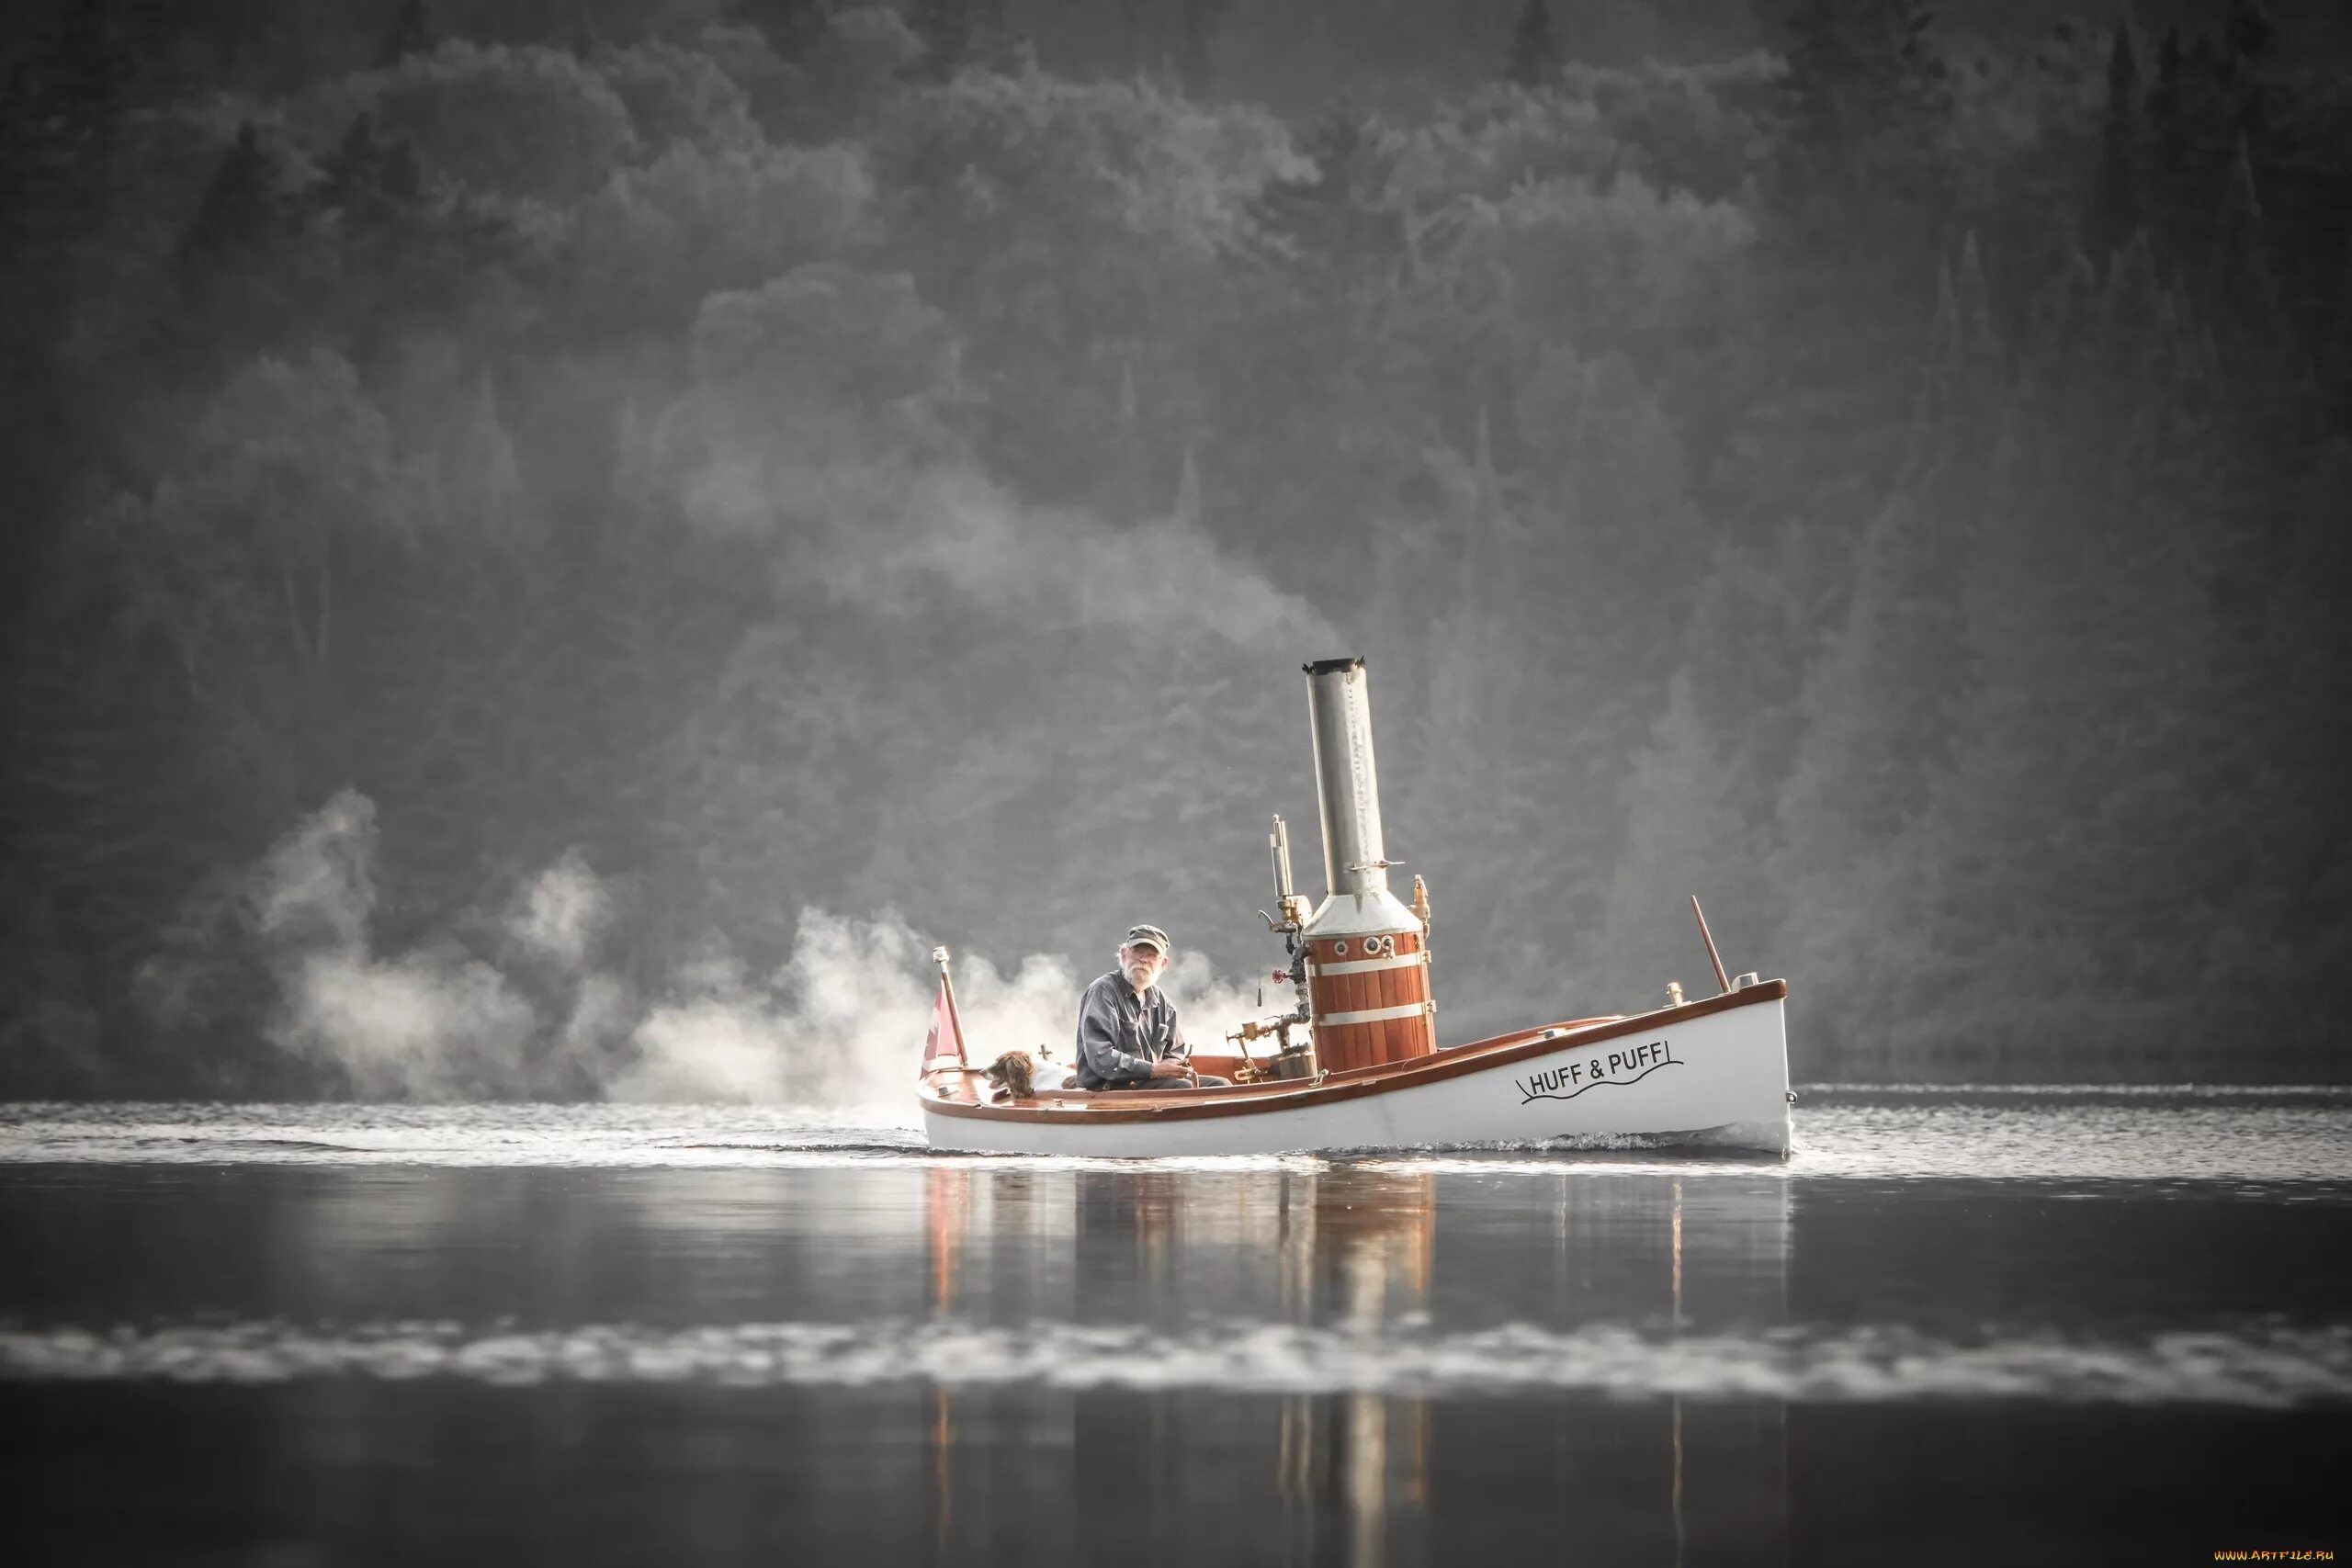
x=2266, y=1368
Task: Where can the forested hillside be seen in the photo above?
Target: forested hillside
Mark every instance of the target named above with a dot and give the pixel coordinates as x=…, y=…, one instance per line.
x=735, y=461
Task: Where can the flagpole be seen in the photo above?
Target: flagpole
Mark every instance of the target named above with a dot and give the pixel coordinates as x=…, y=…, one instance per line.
x=939, y=956
x=1723, y=981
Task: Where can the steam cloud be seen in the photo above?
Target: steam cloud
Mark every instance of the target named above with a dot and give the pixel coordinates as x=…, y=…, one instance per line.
x=1054, y=570
x=526, y=1001
x=839, y=1023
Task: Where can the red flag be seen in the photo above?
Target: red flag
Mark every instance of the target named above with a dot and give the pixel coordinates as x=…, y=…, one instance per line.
x=943, y=1039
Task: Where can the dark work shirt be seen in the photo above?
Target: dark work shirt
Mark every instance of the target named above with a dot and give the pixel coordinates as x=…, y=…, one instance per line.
x=1120, y=1035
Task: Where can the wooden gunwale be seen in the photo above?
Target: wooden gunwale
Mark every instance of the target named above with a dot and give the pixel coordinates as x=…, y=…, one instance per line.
x=1242, y=1100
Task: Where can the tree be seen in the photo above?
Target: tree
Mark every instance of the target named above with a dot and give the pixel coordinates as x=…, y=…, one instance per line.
x=952, y=30
x=1197, y=22
x=242, y=215
x=1877, y=710
x=410, y=33
x=678, y=94
x=2118, y=211
x=1534, y=50
x=2106, y=698
x=1077, y=232
x=1849, y=242
x=769, y=808
x=2266, y=374
x=66, y=110
x=386, y=256
x=2170, y=143
x=1327, y=223
x=792, y=27
x=661, y=237
x=1685, y=834
x=240, y=205
x=2248, y=31
x=2335, y=355
x=2236, y=280
x=365, y=180
x=513, y=121
x=292, y=461
x=797, y=386
x=1865, y=93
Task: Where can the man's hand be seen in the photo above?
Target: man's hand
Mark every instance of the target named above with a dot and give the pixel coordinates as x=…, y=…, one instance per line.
x=1171, y=1068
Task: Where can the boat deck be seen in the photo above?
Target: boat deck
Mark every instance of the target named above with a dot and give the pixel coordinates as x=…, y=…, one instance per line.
x=965, y=1090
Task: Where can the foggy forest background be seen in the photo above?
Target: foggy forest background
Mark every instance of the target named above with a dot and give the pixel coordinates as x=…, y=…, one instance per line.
x=676, y=476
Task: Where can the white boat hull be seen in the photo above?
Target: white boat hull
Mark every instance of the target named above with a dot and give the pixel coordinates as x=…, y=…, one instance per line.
x=1714, y=1074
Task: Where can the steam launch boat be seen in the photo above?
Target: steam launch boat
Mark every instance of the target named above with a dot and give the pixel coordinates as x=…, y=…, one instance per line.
x=1356, y=1063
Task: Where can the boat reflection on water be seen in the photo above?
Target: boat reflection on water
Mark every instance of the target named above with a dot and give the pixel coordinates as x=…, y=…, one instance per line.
x=1347, y=1451
x=1254, y=1399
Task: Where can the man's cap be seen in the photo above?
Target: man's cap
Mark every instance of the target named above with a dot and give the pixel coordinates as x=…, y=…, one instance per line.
x=1152, y=935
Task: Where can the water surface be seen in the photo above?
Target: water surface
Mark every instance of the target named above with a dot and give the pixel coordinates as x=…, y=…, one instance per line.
x=1955, y=1326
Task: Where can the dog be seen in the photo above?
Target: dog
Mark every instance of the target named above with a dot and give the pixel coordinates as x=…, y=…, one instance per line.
x=1014, y=1073
x=1019, y=1076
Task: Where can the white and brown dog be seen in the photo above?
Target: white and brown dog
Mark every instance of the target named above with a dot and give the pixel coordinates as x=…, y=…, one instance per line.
x=1017, y=1075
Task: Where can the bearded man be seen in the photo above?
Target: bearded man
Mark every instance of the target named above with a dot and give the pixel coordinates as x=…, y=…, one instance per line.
x=1127, y=1033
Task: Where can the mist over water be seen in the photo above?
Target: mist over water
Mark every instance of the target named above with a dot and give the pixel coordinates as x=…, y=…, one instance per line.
x=519, y=1003
x=536, y=992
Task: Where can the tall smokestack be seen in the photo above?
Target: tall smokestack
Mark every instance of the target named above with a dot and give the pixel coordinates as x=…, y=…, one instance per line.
x=1347, y=786
x=1367, y=954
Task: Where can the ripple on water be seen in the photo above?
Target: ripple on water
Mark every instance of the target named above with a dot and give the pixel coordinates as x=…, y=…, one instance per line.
x=2269, y=1367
